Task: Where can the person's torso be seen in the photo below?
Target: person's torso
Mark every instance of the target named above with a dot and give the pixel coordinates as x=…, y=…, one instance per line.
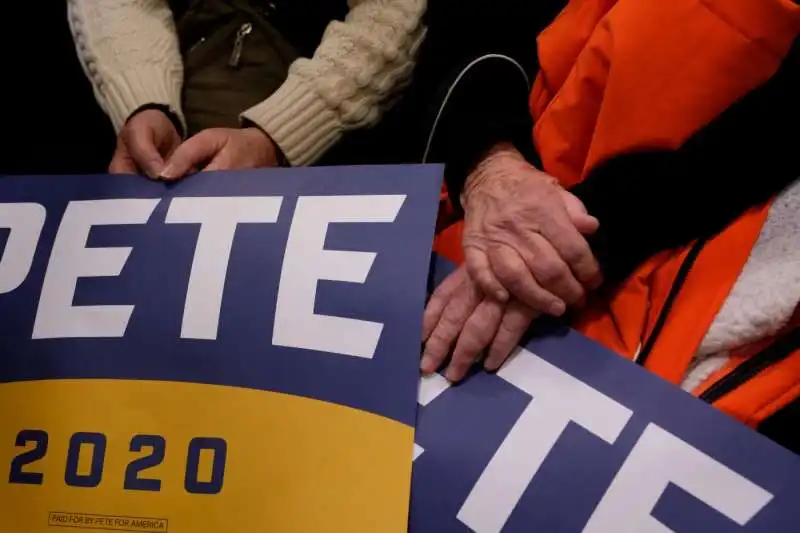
x=620, y=76
x=623, y=75
x=301, y=22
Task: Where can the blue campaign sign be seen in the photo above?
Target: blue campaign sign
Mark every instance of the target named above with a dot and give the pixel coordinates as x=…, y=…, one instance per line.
x=233, y=352
x=568, y=437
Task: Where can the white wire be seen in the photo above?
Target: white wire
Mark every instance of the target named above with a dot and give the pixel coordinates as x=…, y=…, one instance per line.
x=455, y=84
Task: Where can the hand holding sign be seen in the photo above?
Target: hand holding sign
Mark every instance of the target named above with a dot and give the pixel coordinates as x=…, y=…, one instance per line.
x=222, y=149
x=568, y=437
x=458, y=314
x=146, y=141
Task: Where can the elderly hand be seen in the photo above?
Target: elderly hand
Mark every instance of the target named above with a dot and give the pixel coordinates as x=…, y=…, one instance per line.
x=222, y=149
x=146, y=140
x=459, y=314
x=523, y=235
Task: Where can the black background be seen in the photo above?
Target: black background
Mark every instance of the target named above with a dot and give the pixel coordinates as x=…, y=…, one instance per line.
x=51, y=123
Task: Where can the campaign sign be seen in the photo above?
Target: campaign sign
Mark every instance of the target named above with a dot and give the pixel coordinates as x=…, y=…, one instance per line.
x=237, y=352
x=568, y=437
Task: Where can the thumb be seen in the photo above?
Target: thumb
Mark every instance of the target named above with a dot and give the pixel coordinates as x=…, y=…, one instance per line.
x=585, y=223
x=143, y=151
x=191, y=154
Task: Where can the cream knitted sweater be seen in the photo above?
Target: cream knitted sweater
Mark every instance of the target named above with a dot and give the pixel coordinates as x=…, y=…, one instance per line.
x=129, y=51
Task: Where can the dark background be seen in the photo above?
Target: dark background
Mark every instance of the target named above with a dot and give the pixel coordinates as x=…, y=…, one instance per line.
x=51, y=123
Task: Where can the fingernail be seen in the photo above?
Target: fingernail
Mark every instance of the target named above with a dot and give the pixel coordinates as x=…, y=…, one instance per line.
x=502, y=296
x=491, y=367
x=558, y=308
x=168, y=172
x=451, y=375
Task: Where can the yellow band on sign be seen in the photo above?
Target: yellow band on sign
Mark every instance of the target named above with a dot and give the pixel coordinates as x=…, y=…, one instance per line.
x=108, y=523
x=153, y=457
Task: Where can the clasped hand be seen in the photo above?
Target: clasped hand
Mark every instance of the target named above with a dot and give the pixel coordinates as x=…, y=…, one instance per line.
x=525, y=255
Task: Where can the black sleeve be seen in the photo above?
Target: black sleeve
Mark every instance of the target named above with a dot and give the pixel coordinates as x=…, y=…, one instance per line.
x=484, y=56
x=485, y=103
x=653, y=201
x=782, y=427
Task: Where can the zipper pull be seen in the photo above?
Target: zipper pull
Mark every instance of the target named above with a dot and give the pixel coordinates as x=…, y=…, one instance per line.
x=236, y=53
x=196, y=45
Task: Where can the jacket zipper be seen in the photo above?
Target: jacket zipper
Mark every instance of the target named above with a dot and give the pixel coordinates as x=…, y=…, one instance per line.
x=775, y=353
x=683, y=273
x=196, y=45
x=236, y=54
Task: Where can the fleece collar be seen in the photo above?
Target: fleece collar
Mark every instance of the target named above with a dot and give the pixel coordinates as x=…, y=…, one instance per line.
x=767, y=291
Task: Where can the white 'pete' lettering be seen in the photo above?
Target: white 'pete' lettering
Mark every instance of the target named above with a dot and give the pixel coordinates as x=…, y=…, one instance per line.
x=218, y=218
x=24, y=222
x=658, y=458
x=558, y=399
x=629, y=501
x=305, y=262
x=430, y=388
x=70, y=259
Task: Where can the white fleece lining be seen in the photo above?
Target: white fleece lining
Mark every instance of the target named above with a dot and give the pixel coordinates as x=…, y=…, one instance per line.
x=766, y=293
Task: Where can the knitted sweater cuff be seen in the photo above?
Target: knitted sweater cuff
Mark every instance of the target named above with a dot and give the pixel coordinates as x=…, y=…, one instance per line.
x=298, y=120
x=125, y=91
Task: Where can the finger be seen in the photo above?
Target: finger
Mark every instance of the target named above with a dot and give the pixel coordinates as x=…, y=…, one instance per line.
x=455, y=315
x=572, y=247
x=476, y=335
x=192, y=153
x=513, y=325
x=438, y=301
x=222, y=161
x=578, y=215
x=551, y=271
x=585, y=224
x=121, y=162
x=480, y=271
x=142, y=148
x=516, y=276
x=170, y=146
x=589, y=273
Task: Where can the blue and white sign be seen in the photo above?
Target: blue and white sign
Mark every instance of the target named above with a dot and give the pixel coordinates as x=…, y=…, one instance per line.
x=235, y=352
x=568, y=437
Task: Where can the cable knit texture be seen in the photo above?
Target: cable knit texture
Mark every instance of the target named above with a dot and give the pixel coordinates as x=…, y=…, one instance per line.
x=354, y=73
x=129, y=51
x=766, y=294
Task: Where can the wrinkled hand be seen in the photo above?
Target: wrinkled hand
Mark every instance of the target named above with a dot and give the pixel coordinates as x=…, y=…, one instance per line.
x=222, y=149
x=523, y=235
x=457, y=313
x=144, y=143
